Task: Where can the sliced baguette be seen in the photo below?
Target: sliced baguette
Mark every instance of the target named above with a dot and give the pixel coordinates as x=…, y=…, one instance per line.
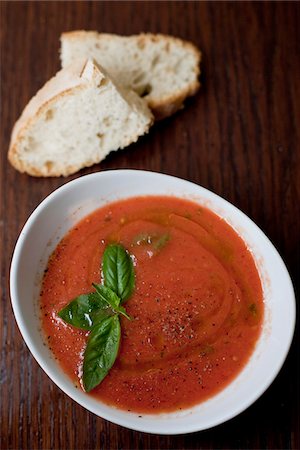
x=74, y=121
x=162, y=69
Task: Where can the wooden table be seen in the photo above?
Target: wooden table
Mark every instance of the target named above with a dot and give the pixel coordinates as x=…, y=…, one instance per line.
x=238, y=137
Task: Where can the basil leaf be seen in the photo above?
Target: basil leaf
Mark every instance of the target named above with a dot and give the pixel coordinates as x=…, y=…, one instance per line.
x=84, y=311
x=111, y=298
x=107, y=296
x=101, y=351
x=118, y=271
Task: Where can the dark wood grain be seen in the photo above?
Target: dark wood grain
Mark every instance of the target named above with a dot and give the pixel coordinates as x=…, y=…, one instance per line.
x=238, y=137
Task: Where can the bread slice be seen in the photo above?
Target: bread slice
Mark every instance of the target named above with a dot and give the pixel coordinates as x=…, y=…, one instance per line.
x=162, y=69
x=74, y=121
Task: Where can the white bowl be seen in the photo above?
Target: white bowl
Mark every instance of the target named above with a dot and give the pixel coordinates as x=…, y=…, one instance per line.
x=65, y=207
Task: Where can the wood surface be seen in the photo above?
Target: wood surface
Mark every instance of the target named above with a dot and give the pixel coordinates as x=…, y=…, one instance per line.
x=239, y=137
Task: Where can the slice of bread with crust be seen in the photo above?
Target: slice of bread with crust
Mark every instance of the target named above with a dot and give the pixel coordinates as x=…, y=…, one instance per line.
x=162, y=69
x=75, y=120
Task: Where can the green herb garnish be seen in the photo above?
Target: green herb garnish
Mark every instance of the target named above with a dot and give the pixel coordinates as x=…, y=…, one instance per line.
x=118, y=273
x=84, y=311
x=101, y=351
x=99, y=312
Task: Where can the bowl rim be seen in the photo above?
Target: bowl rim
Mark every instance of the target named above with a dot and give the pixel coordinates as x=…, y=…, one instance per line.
x=63, y=385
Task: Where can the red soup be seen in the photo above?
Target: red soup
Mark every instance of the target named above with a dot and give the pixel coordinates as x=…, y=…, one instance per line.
x=196, y=309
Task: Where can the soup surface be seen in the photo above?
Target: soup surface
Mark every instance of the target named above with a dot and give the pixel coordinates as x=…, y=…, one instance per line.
x=197, y=307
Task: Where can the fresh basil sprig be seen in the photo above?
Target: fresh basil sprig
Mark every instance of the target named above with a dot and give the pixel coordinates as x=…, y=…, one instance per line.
x=99, y=312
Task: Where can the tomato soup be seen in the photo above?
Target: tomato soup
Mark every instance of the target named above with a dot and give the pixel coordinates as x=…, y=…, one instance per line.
x=197, y=307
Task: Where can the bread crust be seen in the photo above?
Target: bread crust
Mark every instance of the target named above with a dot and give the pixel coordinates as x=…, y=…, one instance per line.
x=168, y=104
